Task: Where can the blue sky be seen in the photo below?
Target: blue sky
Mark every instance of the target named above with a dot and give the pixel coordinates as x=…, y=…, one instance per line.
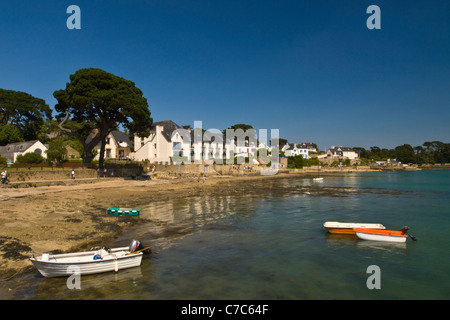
x=311, y=69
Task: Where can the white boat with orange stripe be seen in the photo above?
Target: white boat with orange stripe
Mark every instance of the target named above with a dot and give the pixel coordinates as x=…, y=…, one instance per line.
x=347, y=227
x=382, y=235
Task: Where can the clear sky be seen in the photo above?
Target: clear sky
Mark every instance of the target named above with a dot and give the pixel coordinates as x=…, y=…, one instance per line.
x=311, y=69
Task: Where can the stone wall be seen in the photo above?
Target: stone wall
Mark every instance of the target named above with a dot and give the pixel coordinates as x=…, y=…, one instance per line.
x=48, y=175
x=205, y=169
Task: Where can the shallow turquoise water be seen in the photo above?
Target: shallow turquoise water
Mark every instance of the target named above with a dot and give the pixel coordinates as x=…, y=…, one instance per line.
x=274, y=246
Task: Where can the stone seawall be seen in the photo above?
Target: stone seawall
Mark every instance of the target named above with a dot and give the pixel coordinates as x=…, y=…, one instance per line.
x=49, y=175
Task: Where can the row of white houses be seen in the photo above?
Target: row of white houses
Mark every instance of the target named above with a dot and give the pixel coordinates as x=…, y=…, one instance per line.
x=170, y=143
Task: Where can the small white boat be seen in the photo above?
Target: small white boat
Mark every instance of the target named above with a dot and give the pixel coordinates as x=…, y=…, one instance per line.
x=90, y=262
x=381, y=235
x=317, y=179
x=347, y=227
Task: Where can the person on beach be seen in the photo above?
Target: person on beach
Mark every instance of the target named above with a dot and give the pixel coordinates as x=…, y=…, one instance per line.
x=73, y=174
x=4, y=176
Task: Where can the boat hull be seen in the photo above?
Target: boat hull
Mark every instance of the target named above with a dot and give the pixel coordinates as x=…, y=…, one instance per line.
x=63, y=265
x=381, y=235
x=347, y=228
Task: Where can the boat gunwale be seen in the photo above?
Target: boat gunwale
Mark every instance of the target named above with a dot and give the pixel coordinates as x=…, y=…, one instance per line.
x=127, y=255
x=119, y=211
x=352, y=225
x=380, y=232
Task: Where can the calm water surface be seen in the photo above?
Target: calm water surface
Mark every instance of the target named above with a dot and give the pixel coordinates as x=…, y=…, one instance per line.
x=273, y=246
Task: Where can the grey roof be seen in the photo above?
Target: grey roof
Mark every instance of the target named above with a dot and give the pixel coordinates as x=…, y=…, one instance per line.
x=119, y=136
x=207, y=137
x=19, y=146
x=295, y=145
x=341, y=149
x=307, y=145
x=168, y=128
x=8, y=150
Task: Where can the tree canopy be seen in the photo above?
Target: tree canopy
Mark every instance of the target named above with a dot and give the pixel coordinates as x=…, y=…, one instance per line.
x=9, y=134
x=429, y=152
x=96, y=99
x=23, y=112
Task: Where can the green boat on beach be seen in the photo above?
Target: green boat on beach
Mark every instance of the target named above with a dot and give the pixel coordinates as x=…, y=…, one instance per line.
x=124, y=211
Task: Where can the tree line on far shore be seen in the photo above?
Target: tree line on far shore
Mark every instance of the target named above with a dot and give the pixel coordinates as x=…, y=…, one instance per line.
x=428, y=153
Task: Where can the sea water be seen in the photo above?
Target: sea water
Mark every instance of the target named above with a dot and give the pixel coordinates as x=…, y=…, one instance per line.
x=273, y=245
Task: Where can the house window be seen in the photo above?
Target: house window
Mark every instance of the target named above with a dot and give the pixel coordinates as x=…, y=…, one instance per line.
x=38, y=151
x=177, y=146
x=107, y=140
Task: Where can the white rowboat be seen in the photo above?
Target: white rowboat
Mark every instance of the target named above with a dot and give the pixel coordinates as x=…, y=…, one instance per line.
x=347, y=227
x=381, y=235
x=88, y=262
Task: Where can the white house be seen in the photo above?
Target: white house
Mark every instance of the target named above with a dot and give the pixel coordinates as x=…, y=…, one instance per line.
x=248, y=149
x=308, y=145
x=209, y=145
x=159, y=147
x=118, y=146
x=341, y=153
x=291, y=149
x=12, y=150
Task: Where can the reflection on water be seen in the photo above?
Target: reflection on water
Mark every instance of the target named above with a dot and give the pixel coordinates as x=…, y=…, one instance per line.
x=163, y=223
x=380, y=245
x=339, y=241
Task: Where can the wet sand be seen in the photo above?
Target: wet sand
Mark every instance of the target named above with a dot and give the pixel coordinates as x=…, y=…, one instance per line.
x=73, y=218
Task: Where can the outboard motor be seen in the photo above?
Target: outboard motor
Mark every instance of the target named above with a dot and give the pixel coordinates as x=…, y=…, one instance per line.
x=136, y=245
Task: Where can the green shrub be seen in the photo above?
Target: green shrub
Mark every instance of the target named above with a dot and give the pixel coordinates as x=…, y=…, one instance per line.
x=28, y=158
